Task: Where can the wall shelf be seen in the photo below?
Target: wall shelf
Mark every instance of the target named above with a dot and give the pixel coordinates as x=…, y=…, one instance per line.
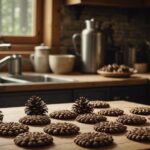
x=114, y=3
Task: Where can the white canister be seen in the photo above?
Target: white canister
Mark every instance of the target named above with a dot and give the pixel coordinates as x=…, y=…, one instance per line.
x=40, y=59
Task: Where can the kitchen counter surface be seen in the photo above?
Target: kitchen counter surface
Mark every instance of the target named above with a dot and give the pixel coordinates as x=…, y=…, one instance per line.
x=66, y=143
x=81, y=81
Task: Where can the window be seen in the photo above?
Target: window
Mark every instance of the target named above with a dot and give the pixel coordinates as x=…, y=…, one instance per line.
x=21, y=21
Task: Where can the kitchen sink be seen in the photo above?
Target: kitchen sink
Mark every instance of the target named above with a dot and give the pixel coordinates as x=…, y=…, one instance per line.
x=28, y=78
x=5, y=79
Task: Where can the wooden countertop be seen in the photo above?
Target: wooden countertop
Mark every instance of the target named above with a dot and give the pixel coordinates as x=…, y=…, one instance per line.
x=81, y=81
x=66, y=143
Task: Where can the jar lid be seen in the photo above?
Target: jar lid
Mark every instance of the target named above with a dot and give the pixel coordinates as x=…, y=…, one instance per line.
x=42, y=47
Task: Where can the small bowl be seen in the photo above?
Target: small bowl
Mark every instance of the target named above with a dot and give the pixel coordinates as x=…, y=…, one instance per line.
x=61, y=64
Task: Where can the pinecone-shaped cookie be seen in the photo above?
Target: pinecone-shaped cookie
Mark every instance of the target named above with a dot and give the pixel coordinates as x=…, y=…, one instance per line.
x=35, y=106
x=1, y=116
x=82, y=106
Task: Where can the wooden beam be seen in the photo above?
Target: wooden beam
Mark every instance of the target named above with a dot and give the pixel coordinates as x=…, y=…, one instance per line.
x=51, y=36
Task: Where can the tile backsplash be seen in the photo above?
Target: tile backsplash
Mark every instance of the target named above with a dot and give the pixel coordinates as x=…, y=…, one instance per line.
x=130, y=25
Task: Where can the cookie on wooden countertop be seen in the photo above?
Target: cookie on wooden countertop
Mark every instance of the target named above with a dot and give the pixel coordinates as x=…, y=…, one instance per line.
x=1, y=116
x=141, y=110
x=93, y=139
x=111, y=112
x=99, y=104
x=63, y=114
x=139, y=134
x=33, y=139
x=62, y=129
x=132, y=119
x=35, y=120
x=12, y=129
x=110, y=127
x=90, y=118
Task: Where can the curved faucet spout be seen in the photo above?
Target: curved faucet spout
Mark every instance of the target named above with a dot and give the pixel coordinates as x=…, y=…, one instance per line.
x=14, y=63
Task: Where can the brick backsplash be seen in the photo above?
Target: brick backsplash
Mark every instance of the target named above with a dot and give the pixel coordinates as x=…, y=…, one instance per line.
x=130, y=25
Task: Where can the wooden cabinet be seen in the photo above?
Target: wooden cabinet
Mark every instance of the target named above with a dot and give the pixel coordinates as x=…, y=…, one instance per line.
x=137, y=94
x=115, y=3
x=146, y=3
x=91, y=93
x=50, y=97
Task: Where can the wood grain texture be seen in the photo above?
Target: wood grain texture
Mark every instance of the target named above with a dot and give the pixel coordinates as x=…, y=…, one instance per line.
x=66, y=143
x=115, y=3
x=80, y=81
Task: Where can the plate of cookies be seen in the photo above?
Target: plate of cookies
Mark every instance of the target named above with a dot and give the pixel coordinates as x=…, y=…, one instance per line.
x=115, y=70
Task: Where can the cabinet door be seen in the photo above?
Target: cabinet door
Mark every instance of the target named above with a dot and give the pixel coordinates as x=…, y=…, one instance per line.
x=146, y=3
x=91, y=93
x=20, y=98
x=131, y=93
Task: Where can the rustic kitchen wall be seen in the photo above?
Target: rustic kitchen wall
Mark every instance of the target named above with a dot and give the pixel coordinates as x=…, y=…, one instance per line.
x=130, y=25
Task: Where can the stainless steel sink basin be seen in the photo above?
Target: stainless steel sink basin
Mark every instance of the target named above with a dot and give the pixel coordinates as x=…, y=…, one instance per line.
x=33, y=78
x=5, y=80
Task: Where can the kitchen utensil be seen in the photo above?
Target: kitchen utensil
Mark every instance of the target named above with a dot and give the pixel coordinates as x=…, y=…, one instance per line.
x=92, y=54
x=40, y=59
x=61, y=64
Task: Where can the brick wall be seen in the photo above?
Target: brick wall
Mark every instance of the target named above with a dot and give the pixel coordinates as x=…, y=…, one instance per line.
x=130, y=25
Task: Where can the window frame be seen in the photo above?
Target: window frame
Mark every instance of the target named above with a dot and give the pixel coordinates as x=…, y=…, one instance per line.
x=37, y=28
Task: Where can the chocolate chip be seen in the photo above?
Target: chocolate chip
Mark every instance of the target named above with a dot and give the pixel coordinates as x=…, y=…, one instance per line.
x=141, y=110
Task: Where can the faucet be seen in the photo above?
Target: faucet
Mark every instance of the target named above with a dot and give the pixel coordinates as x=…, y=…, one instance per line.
x=14, y=63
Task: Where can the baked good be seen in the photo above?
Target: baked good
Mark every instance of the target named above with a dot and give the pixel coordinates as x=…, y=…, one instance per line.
x=131, y=119
x=93, y=139
x=82, y=106
x=116, y=68
x=35, y=120
x=141, y=110
x=33, y=139
x=111, y=112
x=12, y=129
x=1, y=116
x=99, y=104
x=139, y=134
x=90, y=118
x=62, y=129
x=63, y=114
x=35, y=105
x=110, y=127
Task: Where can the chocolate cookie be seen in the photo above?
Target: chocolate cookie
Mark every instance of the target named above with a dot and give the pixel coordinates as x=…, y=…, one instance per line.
x=99, y=104
x=12, y=129
x=141, y=110
x=62, y=129
x=90, y=118
x=63, y=114
x=33, y=139
x=139, y=134
x=131, y=119
x=110, y=127
x=35, y=120
x=1, y=116
x=111, y=112
x=93, y=139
